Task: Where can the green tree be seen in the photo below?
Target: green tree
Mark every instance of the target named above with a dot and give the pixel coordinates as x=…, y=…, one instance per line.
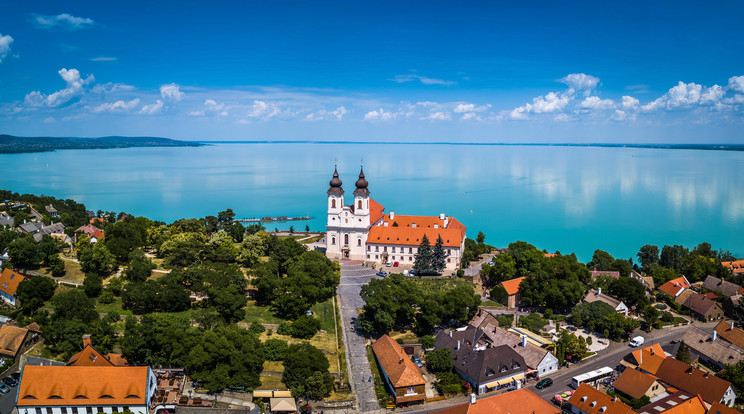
x=622, y=266
x=183, y=249
x=648, y=255
x=311, y=278
x=24, y=252
x=734, y=374
x=630, y=291
x=92, y=284
x=533, y=321
x=439, y=256
x=499, y=294
x=423, y=259
x=252, y=249
x=33, y=292
x=237, y=231
x=439, y=360
x=139, y=268
x=74, y=304
x=683, y=353
x=275, y=349
x=673, y=257
x=601, y=260
x=229, y=302
x=224, y=218
x=480, y=238
x=301, y=362
x=427, y=341
x=56, y=265
x=503, y=269
x=220, y=248
x=97, y=259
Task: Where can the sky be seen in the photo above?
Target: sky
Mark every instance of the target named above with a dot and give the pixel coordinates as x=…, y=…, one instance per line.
x=538, y=72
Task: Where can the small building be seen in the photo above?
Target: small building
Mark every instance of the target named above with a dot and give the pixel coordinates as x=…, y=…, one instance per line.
x=711, y=348
x=703, y=308
x=12, y=341
x=675, y=287
x=51, y=210
x=648, y=359
x=91, y=231
x=735, y=266
x=596, y=295
x=6, y=221
x=539, y=361
x=85, y=390
x=688, y=378
x=514, y=297
x=522, y=401
x=589, y=400
x=635, y=384
x=91, y=357
x=30, y=227
x=729, y=332
x=401, y=375
x=9, y=281
x=646, y=281
x=715, y=284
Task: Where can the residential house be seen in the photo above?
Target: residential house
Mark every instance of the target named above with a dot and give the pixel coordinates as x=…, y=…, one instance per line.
x=51, y=230
x=711, y=348
x=678, y=403
x=539, y=361
x=485, y=368
x=483, y=318
x=703, y=308
x=514, y=298
x=648, y=359
x=735, y=266
x=646, y=281
x=6, y=222
x=682, y=298
x=401, y=375
x=30, y=227
x=589, y=400
x=675, y=287
x=609, y=273
x=521, y=401
x=9, y=280
x=719, y=408
x=729, y=332
x=85, y=390
x=732, y=303
x=636, y=384
x=595, y=295
x=90, y=357
x=715, y=284
x=91, y=231
x=12, y=340
x=687, y=378
x=51, y=210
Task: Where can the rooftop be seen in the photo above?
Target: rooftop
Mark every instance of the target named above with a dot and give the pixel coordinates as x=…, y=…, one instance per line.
x=714, y=284
x=692, y=380
x=11, y=340
x=592, y=401
x=675, y=286
x=720, y=350
x=9, y=280
x=521, y=401
x=699, y=303
x=401, y=371
x=729, y=332
x=512, y=286
x=634, y=383
x=593, y=296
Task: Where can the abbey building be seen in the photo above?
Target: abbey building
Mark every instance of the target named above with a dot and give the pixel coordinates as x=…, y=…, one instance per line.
x=363, y=230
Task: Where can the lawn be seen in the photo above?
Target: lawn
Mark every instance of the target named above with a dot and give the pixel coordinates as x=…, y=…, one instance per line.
x=438, y=285
x=272, y=383
x=72, y=271
x=114, y=306
x=260, y=314
x=324, y=312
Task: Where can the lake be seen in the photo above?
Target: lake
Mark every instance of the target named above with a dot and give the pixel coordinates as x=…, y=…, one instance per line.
x=567, y=199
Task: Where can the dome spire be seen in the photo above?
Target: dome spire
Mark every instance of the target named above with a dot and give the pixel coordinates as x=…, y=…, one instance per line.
x=335, y=183
x=361, y=184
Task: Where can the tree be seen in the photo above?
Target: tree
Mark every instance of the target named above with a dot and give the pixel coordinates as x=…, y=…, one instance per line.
x=275, y=349
x=427, y=341
x=439, y=257
x=252, y=249
x=651, y=314
x=224, y=218
x=220, y=248
x=237, y=231
x=648, y=255
x=311, y=278
x=601, y=260
x=92, y=284
x=229, y=302
x=630, y=291
x=499, y=294
x=439, y=360
x=683, y=353
x=183, y=249
x=301, y=362
x=97, y=259
x=139, y=268
x=423, y=260
x=56, y=265
x=24, y=253
x=503, y=269
x=33, y=292
x=480, y=238
x=734, y=374
x=533, y=321
x=673, y=257
x=622, y=266
x=74, y=304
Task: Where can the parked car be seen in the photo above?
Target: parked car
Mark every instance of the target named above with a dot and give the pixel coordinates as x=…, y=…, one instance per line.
x=388, y=264
x=10, y=382
x=544, y=383
x=308, y=313
x=381, y=273
x=637, y=341
x=490, y=263
x=416, y=360
x=16, y=376
x=412, y=273
x=4, y=388
x=395, y=264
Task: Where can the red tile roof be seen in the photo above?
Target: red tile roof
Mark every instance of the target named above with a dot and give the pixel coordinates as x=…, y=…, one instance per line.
x=408, y=236
x=521, y=401
x=512, y=286
x=90, y=357
x=592, y=401
x=673, y=286
x=649, y=358
x=11, y=340
x=376, y=211
x=401, y=371
x=9, y=281
x=634, y=383
x=718, y=408
x=732, y=334
x=736, y=266
x=692, y=380
x=691, y=406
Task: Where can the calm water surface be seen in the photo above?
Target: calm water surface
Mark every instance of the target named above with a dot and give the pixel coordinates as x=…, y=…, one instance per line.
x=570, y=199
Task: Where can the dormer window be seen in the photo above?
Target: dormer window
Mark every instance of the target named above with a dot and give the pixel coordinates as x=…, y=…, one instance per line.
x=503, y=368
x=583, y=399
x=603, y=409
x=592, y=404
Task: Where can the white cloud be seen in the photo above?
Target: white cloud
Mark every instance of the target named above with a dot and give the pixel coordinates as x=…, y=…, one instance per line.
x=171, y=92
x=152, y=109
x=5, y=42
x=580, y=81
x=322, y=114
x=736, y=83
x=109, y=87
x=630, y=103
x=263, y=110
x=211, y=108
x=103, y=59
x=437, y=116
x=380, y=115
x=75, y=88
x=683, y=95
x=712, y=95
x=64, y=20
x=423, y=79
x=596, y=103
x=118, y=106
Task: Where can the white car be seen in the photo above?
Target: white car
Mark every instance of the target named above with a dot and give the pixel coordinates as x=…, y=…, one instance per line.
x=389, y=264
x=637, y=341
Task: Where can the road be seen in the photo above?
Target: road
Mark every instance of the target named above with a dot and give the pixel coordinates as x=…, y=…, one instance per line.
x=7, y=401
x=353, y=277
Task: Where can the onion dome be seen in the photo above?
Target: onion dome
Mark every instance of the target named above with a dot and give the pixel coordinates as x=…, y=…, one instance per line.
x=335, y=184
x=361, y=185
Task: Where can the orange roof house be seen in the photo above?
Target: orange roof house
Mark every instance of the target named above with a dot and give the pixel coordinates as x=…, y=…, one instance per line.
x=401, y=375
x=687, y=378
x=735, y=266
x=636, y=384
x=91, y=357
x=589, y=400
x=649, y=359
x=675, y=286
x=44, y=386
x=729, y=332
x=512, y=290
x=521, y=401
x=12, y=339
x=9, y=281
x=718, y=408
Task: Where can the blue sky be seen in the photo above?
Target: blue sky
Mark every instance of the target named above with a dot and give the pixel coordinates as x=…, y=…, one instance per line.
x=418, y=71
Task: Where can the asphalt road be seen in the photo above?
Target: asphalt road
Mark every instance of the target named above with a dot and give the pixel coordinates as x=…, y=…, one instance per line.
x=7, y=401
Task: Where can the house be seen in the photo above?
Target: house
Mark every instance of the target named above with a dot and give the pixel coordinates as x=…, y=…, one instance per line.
x=91, y=231
x=735, y=266
x=6, y=221
x=687, y=378
x=729, y=304
x=521, y=401
x=703, y=308
x=514, y=298
x=90, y=357
x=401, y=375
x=85, y=390
x=636, y=384
x=485, y=368
x=678, y=403
x=646, y=281
x=539, y=361
x=718, y=408
x=9, y=280
x=715, y=284
x=683, y=296
x=589, y=400
x=51, y=210
x=483, y=318
x=729, y=332
x=648, y=359
x=676, y=286
x=52, y=230
x=711, y=348
x=31, y=227
x=609, y=273
x=12, y=340
x=597, y=295
x=91, y=214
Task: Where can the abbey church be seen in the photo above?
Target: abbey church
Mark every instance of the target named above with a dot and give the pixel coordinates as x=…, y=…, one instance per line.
x=363, y=231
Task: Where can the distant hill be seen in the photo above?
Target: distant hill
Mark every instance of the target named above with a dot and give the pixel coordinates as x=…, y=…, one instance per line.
x=10, y=144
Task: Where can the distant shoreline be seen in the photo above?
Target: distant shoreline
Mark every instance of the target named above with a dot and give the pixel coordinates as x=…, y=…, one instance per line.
x=10, y=144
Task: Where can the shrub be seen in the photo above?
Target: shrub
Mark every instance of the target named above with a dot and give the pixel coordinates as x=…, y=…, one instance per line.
x=275, y=349
x=667, y=317
x=427, y=341
x=256, y=328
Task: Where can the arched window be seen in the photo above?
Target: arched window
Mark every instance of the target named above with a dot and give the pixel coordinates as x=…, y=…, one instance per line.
x=333, y=203
x=333, y=240
x=359, y=242
x=346, y=239
x=360, y=203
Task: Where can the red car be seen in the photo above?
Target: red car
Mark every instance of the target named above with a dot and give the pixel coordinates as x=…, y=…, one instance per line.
x=395, y=264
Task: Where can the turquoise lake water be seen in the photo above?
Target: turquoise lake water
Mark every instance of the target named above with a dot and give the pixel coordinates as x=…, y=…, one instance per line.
x=570, y=199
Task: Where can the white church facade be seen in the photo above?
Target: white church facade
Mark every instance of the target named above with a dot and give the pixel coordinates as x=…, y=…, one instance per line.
x=363, y=231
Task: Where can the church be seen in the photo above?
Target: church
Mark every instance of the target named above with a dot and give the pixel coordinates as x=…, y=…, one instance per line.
x=363, y=230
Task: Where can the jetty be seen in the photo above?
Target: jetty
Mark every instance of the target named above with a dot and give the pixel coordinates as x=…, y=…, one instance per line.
x=278, y=218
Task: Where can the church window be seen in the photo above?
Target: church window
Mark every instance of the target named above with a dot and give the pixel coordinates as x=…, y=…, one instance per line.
x=393, y=249
x=410, y=250
x=448, y=252
x=360, y=203
x=377, y=248
x=346, y=239
x=333, y=240
x=359, y=242
x=377, y=256
x=448, y=260
x=393, y=258
x=367, y=256
x=347, y=221
x=333, y=203
x=384, y=249
x=369, y=248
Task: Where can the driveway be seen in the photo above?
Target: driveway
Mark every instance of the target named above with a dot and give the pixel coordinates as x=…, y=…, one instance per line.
x=353, y=277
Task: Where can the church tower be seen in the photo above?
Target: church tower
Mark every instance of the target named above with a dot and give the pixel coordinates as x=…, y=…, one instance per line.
x=335, y=195
x=361, y=199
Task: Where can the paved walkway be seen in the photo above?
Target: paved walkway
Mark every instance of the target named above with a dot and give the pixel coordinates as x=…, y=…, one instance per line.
x=353, y=277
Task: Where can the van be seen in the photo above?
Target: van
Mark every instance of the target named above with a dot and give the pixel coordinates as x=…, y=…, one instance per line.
x=637, y=341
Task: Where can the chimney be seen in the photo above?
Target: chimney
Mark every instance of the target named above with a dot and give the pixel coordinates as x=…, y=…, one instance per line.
x=450, y=334
x=392, y=215
x=446, y=221
x=441, y=216
x=436, y=226
x=413, y=225
x=599, y=291
x=715, y=336
x=86, y=340
x=524, y=341
x=732, y=326
x=400, y=361
x=458, y=344
x=614, y=399
x=472, y=398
